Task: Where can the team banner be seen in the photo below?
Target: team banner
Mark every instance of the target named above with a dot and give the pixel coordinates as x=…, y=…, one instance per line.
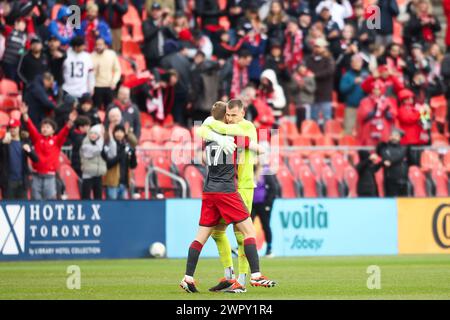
x=424, y=225
x=319, y=227
x=79, y=229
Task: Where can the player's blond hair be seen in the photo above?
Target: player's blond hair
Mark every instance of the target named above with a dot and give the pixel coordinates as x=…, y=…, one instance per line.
x=218, y=110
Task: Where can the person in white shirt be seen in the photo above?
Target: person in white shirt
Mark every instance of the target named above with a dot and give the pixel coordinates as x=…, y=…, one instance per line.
x=78, y=70
x=340, y=10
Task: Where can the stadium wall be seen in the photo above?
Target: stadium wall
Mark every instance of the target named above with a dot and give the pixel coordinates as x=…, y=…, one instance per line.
x=301, y=227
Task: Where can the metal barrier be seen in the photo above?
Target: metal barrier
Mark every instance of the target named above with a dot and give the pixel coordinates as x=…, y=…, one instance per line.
x=152, y=169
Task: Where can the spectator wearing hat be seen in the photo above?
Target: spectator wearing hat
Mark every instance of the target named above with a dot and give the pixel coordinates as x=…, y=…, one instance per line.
x=33, y=63
x=93, y=166
x=112, y=11
x=414, y=121
x=351, y=91
x=120, y=159
x=14, y=49
x=367, y=167
x=78, y=70
x=59, y=27
x=394, y=159
x=129, y=111
x=77, y=134
x=86, y=108
x=107, y=74
x=48, y=147
x=305, y=22
x=322, y=65
x=156, y=30
x=376, y=116
x=55, y=56
x=14, y=170
x=94, y=27
x=332, y=30
x=39, y=97
x=388, y=11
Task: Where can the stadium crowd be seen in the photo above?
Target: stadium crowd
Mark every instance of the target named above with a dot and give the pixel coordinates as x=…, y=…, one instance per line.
x=378, y=73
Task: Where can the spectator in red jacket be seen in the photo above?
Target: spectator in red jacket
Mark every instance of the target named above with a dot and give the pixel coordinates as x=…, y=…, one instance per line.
x=392, y=82
x=48, y=147
x=376, y=116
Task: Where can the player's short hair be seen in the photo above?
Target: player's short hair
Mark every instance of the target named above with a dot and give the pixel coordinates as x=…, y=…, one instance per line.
x=233, y=103
x=219, y=109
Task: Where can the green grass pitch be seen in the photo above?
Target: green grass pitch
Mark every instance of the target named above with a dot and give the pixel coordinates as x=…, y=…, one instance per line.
x=402, y=277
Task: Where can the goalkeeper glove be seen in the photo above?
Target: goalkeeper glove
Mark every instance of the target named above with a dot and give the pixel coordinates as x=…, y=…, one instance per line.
x=225, y=142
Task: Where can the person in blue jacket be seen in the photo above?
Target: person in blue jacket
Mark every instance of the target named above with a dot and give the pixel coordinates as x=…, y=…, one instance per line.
x=351, y=91
x=60, y=29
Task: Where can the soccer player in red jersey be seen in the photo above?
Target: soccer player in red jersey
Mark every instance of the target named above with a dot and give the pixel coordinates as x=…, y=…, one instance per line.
x=222, y=201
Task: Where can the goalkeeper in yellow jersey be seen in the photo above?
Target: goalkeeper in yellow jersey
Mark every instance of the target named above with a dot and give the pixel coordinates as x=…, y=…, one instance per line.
x=236, y=126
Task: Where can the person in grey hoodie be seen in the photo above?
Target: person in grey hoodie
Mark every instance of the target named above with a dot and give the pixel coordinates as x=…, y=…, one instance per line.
x=93, y=166
x=272, y=93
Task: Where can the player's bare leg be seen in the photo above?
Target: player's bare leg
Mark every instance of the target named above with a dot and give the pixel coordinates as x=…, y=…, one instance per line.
x=188, y=283
x=224, y=248
x=257, y=279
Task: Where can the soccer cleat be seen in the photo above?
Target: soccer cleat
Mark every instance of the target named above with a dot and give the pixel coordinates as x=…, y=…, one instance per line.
x=236, y=288
x=262, y=282
x=189, y=287
x=223, y=285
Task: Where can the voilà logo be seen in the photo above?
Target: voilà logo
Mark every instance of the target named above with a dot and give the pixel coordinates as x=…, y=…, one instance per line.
x=12, y=229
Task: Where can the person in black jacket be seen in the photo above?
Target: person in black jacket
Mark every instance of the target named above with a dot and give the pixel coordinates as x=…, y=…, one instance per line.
x=86, y=108
x=388, y=11
x=76, y=136
x=394, y=158
x=14, y=49
x=156, y=30
x=33, y=63
x=38, y=97
x=367, y=166
x=14, y=170
x=267, y=189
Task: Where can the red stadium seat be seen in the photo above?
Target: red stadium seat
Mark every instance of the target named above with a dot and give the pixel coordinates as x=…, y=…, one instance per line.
x=429, y=160
x=194, y=178
x=351, y=179
x=146, y=120
x=55, y=9
x=440, y=179
x=8, y=87
x=311, y=129
x=308, y=182
x=294, y=161
x=325, y=141
x=418, y=181
x=339, y=112
x=333, y=129
x=339, y=164
x=331, y=182
x=132, y=17
x=140, y=172
x=348, y=140
x=287, y=183
x=130, y=49
x=439, y=108
x=165, y=183
x=63, y=159
x=180, y=135
x=317, y=162
x=4, y=118
x=289, y=129
x=301, y=141
x=70, y=179
x=446, y=160
x=439, y=140
x=125, y=67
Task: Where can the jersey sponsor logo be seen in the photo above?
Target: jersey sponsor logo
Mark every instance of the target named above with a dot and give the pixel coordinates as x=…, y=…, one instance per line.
x=12, y=229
